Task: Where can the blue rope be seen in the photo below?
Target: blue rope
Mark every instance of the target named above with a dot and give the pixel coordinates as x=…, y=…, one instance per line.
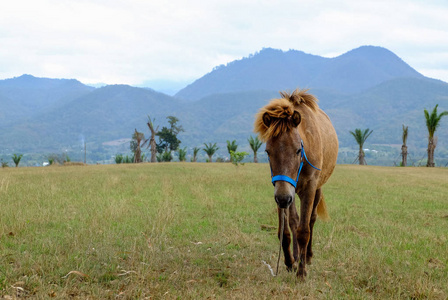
x=284, y=178
x=287, y=178
x=306, y=158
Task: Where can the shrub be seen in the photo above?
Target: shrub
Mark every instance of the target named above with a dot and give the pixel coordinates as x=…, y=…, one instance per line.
x=4, y=164
x=237, y=157
x=118, y=158
x=166, y=156
x=128, y=159
x=182, y=153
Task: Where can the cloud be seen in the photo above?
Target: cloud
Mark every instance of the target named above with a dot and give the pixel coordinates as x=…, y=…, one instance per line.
x=134, y=41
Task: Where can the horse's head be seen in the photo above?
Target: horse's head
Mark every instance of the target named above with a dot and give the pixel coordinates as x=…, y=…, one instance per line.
x=276, y=124
x=283, y=149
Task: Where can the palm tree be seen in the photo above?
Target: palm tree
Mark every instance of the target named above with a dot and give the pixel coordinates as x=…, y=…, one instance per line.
x=432, y=122
x=210, y=150
x=404, y=148
x=16, y=158
x=361, y=137
x=231, y=146
x=195, y=153
x=255, y=144
x=152, y=140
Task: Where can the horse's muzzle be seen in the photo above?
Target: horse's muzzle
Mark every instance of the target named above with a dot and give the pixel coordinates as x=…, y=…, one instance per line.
x=284, y=201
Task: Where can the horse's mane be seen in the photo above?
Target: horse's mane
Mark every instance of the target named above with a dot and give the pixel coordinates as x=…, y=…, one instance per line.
x=280, y=111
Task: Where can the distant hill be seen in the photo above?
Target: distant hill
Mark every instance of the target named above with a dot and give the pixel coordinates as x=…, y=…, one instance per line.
x=27, y=96
x=276, y=70
x=112, y=113
x=386, y=107
x=104, y=114
x=52, y=115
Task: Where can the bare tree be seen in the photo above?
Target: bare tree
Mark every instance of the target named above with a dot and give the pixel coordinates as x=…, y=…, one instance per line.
x=152, y=140
x=404, y=148
x=137, y=139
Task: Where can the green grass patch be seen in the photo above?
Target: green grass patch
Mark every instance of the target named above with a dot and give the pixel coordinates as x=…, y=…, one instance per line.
x=191, y=231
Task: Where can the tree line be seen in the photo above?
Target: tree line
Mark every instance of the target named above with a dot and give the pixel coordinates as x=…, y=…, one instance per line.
x=168, y=142
x=432, y=123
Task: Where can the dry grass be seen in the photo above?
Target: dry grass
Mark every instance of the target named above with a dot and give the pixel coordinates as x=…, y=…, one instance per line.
x=74, y=163
x=193, y=231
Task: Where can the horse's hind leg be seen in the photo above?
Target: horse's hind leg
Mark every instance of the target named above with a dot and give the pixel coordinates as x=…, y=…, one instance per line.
x=289, y=260
x=309, y=252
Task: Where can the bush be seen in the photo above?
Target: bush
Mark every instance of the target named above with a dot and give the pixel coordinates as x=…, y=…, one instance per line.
x=166, y=156
x=57, y=158
x=118, y=158
x=128, y=159
x=4, y=164
x=237, y=157
x=182, y=153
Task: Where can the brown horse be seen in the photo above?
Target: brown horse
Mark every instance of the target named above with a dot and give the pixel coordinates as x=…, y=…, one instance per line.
x=300, y=140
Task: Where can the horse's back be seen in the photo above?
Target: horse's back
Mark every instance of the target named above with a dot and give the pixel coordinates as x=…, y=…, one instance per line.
x=330, y=146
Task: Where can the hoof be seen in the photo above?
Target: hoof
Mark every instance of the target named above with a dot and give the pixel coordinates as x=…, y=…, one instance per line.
x=294, y=267
x=301, y=274
x=309, y=257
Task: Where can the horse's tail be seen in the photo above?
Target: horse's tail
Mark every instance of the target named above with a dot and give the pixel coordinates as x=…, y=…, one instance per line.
x=322, y=209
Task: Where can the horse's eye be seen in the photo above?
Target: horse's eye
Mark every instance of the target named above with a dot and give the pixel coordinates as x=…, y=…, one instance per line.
x=267, y=152
x=298, y=151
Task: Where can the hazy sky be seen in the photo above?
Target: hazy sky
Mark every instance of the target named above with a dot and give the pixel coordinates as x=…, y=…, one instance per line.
x=133, y=41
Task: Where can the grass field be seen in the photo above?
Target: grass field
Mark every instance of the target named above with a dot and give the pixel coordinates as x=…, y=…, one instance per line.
x=201, y=231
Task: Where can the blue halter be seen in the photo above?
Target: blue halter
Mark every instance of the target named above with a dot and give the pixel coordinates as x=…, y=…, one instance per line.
x=287, y=178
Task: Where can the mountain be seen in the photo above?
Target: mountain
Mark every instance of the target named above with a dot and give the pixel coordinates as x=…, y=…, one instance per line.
x=221, y=117
x=386, y=107
x=169, y=87
x=104, y=114
x=53, y=115
x=272, y=69
x=27, y=96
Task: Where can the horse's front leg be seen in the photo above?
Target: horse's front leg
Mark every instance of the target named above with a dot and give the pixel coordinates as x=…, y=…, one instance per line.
x=293, y=219
x=286, y=242
x=303, y=231
x=309, y=253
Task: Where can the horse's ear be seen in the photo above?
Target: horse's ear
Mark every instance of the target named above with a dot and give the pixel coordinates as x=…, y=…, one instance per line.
x=296, y=118
x=266, y=119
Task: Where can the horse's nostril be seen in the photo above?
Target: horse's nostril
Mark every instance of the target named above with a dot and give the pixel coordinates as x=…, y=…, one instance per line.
x=283, y=201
